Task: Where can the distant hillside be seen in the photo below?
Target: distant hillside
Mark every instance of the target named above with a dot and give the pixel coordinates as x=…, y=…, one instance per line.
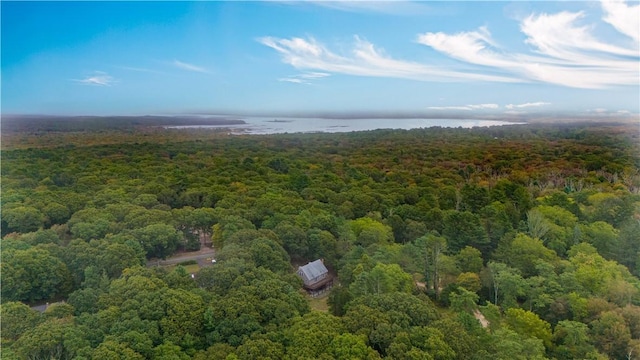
x=45, y=123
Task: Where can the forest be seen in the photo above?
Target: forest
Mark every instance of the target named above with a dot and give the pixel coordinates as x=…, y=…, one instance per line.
x=506, y=242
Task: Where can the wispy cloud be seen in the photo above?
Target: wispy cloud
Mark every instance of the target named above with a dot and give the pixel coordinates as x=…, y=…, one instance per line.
x=190, y=67
x=562, y=51
x=313, y=75
x=393, y=7
x=526, y=105
x=466, y=107
x=624, y=18
x=363, y=60
x=304, y=78
x=139, y=69
x=293, y=80
x=98, y=78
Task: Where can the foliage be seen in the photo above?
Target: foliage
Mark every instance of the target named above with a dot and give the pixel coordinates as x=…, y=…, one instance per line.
x=533, y=229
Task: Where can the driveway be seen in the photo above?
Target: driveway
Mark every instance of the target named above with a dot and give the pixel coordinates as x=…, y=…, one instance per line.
x=202, y=256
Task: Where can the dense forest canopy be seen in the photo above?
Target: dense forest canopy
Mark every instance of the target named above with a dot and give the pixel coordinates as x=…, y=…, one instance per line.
x=510, y=242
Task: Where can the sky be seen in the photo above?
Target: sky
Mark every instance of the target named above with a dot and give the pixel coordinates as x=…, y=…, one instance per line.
x=475, y=59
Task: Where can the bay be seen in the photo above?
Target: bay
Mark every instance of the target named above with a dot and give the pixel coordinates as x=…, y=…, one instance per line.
x=271, y=125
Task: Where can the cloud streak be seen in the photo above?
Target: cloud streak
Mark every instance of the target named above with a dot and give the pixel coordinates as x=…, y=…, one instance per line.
x=304, y=78
x=363, y=60
x=624, y=18
x=526, y=105
x=490, y=106
x=562, y=51
x=392, y=7
x=467, y=107
x=190, y=67
x=98, y=78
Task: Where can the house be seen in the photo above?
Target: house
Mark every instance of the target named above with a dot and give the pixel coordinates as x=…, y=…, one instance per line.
x=314, y=275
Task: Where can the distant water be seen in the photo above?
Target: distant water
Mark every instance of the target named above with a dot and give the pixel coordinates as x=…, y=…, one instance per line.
x=270, y=125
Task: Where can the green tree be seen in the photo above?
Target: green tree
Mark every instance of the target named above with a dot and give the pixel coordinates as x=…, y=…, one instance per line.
x=510, y=345
x=602, y=236
x=114, y=350
x=52, y=339
x=311, y=335
x=269, y=254
x=464, y=229
x=507, y=284
x=469, y=259
x=382, y=279
x=17, y=318
x=183, y=322
x=87, y=231
x=348, y=346
x=560, y=224
x=294, y=239
x=469, y=281
x=611, y=335
x=572, y=340
x=168, y=351
x=260, y=349
x=33, y=274
x=23, y=219
x=524, y=253
x=158, y=240
x=368, y=231
x=56, y=213
x=117, y=257
x=529, y=324
x=431, y=249
x=473, y=197
x=463, y=300
x=421, y=343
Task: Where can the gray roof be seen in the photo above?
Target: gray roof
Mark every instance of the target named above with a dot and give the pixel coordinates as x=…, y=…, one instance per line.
x=314, y=269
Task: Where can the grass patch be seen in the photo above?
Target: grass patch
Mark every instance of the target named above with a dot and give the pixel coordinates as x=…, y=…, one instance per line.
x=319, y=303
x=191, y=269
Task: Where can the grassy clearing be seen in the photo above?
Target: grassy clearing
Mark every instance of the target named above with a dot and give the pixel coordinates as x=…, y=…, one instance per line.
x=191, y=269
x=319, y=303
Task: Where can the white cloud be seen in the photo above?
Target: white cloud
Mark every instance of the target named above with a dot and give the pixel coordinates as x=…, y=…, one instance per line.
x=484, y=106
x=363, y=60
x=304, y=78
x=562, y=51
x=449, y=108
x=313, y=75
x=624, y=18
x=98, y=78
x=293, y=80
x=466, y=107
x=526, y=105
x=189, y=67
x=393, y=7
x=560, y=36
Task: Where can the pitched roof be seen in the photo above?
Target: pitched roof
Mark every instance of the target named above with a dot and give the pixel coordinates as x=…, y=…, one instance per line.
x=314, y=269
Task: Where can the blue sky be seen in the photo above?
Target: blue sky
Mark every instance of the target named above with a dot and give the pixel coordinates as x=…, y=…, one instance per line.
x=481, y=58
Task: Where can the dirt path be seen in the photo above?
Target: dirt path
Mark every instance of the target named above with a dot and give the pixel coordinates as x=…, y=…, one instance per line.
x=478, y=315
x=201, y=255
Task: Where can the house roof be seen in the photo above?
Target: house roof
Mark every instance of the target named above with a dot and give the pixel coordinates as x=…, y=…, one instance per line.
x=314, y=269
